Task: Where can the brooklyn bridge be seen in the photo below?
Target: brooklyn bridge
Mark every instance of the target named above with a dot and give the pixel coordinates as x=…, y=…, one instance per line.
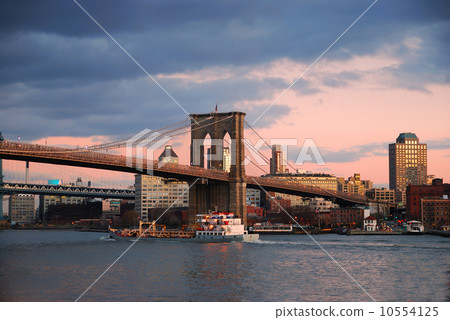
x=210, y=188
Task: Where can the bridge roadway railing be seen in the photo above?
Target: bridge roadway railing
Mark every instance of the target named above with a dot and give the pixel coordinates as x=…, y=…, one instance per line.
x=78, y=155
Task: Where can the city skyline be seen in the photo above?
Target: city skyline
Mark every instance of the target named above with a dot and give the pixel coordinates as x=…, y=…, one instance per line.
x=43, y=172
x=72, y=85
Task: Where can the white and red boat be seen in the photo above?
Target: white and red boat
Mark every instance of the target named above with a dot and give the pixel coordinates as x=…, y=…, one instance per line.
x=414, y=227
x=212, y=227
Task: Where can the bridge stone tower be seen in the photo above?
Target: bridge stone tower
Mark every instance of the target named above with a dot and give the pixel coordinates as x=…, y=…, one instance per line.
x=214, y=195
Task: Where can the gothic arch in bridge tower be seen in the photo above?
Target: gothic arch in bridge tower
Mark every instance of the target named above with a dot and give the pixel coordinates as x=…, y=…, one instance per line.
x=221, y=196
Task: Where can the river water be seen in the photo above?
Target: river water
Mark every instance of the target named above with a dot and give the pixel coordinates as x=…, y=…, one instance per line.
x=60, y=265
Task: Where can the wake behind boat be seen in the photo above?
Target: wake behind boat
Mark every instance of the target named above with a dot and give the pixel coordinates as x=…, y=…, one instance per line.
x=214, y=227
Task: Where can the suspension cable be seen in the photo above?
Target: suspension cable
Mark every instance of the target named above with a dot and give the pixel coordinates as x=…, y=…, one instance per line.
x=289, y=178
x=121, y=143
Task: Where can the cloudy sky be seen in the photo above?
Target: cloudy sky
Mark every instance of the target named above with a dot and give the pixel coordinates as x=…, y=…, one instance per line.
x=64, y=81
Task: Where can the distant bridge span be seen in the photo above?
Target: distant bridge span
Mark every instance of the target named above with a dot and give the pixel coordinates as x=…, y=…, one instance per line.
x=88, y=159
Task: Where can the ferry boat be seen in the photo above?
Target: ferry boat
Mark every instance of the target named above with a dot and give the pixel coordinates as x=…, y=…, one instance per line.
x=269, y=228
x=213, y=227
x=414, y=227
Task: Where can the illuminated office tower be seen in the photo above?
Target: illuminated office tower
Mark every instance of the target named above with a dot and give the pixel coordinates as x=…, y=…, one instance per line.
x=407, y=163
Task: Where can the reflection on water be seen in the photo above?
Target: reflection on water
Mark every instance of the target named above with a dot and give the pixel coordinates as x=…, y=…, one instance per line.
x=60, y=265
x=216, y=266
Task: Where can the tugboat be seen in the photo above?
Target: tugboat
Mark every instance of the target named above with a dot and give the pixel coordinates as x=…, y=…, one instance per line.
x=213, y=227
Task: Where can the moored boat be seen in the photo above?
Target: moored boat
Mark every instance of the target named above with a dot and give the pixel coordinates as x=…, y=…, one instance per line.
x=213, y=227
x=414, y=227
x=269, y=228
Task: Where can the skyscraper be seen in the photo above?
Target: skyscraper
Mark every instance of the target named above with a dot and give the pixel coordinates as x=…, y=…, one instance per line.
x=278, y=162
x=407, y=163
x=226, y=159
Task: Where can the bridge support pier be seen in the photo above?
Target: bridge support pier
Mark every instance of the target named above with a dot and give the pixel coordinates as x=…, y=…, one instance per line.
x=222, y=196
x=208, y=195
x=238, y=191
x=205, y=196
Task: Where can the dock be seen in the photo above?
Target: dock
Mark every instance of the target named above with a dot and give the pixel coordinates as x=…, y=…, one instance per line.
x=373, y=233
x=442, y=233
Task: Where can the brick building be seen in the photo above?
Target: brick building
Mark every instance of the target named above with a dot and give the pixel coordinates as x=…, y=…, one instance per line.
x=276, y=202
x=414, y=194
x=255, y=211
x=435, y=212
x=345, y=216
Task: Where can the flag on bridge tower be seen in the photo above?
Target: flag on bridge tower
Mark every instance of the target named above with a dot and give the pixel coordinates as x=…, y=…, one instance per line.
x=216, y=108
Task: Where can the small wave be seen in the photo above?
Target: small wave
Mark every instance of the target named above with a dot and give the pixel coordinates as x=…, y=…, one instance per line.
x=277, y=242
x=106, y=238
x=349, y=244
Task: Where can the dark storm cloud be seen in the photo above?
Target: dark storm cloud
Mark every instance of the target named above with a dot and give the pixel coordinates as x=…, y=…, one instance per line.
x=43, y=58
x=168, y=36
x=61, y=75
x=223, y=91
x=120, y=108
x=91, y=110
